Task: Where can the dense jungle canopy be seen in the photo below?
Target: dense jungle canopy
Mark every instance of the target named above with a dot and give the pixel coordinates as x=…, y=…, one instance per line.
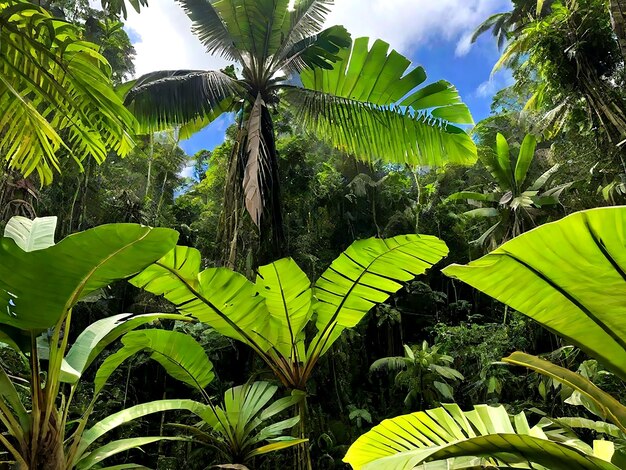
x=363, y=273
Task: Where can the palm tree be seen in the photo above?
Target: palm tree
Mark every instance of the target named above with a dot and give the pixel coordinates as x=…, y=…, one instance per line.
x=504, y=24
x=355, y=98
x=56, y=94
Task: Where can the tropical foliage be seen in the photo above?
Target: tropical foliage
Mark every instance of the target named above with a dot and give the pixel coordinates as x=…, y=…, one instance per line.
x=239, y=429
x=46, y=281
x=357, y=97
x=56, y=94
x=247, y=358
x=567, y=267
x=601, y=232
x=485, y=436
x=424, y=372
x=513, y=202
x=270, y=315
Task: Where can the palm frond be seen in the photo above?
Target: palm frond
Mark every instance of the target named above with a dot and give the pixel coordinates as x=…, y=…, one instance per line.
x=306, y=20
x=498, y=22
x=255, y=26
x=55, y=93
x=209, y=27
x=370, y=106
x=319, y=50
x=486, y=437
x=256, y=165
x=372, y=132
x=163, y=100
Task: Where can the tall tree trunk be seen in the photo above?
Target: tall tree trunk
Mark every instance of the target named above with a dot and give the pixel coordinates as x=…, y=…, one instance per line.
x=273, y=243
x=618, y=18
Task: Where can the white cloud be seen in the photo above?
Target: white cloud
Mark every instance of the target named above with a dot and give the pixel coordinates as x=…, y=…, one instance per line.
x=164, y=40
x=464, y=45
x=410, y=24
x=496, y=83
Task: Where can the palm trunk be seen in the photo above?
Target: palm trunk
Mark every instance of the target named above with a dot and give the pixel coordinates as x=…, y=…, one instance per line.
x=618, y=19
x=232, y=207
x=273, y=243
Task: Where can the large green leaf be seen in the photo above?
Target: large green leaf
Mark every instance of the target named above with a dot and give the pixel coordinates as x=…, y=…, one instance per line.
x=367, y=106
x=607, y=404
x=112, y=448
x=111, y=422
x=319, y=50
x=55, y=94
x=223, y=299
x=485, y=436
x=31, y=235
x=371, y=133
x=569, y=276
x=541, y=453
x=271, y=315
x=38, y=288
x=97, y=336
x=504, y=160
x=366, y=274
x=524, y=159
x=305, y=20
x=288, y=298
x=181, y=356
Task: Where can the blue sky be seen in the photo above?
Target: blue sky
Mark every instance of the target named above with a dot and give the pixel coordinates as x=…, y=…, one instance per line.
x=432, y=33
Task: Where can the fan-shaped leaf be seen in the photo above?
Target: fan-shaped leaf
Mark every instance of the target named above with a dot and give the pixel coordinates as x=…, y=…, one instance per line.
x=483, y=436
x=366, y=274
x=288, y=298
x=255, y=26
x=210, y=29
x=164, y=100
x=319, y=50
x=356, y=107
x=569, y=276
x=223, y=299
x=372, y=132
